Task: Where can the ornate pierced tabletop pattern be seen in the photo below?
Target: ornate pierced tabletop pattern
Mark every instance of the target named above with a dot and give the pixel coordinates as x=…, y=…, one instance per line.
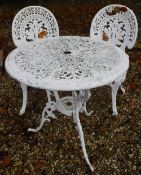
x=67, y=63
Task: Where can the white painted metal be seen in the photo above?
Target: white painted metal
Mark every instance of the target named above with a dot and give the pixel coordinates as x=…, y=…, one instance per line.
x=116, y=24
x=68, y=63
x=78, y=102
x=32, y=23
x=24, y=91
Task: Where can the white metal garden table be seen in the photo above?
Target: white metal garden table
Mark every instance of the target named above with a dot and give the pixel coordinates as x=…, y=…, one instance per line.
x=68, y=63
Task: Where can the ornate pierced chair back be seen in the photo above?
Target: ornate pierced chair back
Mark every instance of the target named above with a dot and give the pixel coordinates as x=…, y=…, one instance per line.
x=116, y=24
x=33, y=23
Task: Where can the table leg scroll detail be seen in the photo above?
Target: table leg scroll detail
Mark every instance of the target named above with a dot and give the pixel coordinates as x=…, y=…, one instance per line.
x=122, y=89
x=84, y=105
x=24, y=91
x=84, y=109
x=77, y=107
x=46, y=115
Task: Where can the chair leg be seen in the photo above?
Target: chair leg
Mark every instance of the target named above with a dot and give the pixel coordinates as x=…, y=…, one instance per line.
x=24, y=91
x=115, y=85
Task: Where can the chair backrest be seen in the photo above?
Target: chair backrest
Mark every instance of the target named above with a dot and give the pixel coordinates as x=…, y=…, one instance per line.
x=33, y=23
x=116, y=24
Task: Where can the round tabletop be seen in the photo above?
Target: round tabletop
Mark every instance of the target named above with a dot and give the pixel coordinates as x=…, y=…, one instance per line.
x=67, y=63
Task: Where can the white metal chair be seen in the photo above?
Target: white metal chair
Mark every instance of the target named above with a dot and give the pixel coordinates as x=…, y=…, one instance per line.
x=32, y=23
x=116, y=24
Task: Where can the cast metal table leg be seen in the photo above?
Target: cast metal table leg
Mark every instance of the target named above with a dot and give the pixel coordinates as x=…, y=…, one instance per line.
x=78, y=101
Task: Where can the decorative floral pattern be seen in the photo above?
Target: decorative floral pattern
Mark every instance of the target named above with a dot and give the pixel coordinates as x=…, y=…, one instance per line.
x=33, y=22
x=116, y=24
x=66, y=63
